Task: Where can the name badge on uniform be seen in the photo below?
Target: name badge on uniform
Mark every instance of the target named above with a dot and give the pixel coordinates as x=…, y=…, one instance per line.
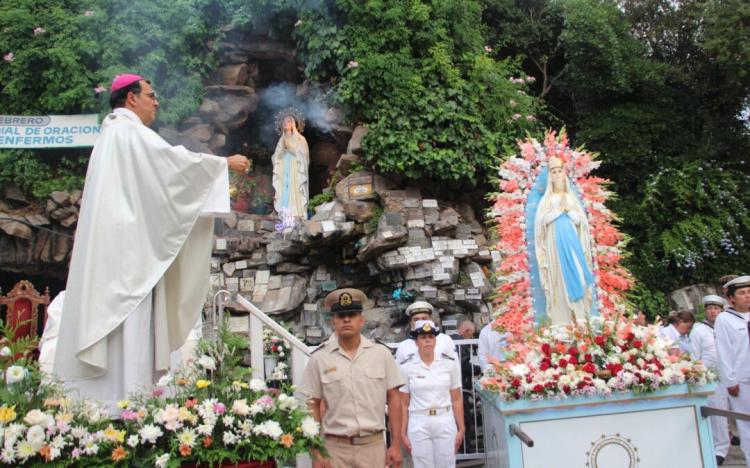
x=329, y=370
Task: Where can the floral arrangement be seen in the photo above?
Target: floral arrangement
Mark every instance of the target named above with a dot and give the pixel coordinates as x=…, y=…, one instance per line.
x=273, y=345
x=513, y=300
x=207, y=414
x=597, y=357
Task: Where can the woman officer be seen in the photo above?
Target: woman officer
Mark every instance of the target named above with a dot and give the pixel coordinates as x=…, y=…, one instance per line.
x=433, y=427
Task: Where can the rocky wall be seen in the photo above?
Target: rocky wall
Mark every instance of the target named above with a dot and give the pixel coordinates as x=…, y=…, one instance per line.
x=387, y=240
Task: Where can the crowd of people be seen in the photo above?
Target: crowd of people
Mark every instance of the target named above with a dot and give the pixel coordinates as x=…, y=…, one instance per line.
x=350, y=378
x=722, y=342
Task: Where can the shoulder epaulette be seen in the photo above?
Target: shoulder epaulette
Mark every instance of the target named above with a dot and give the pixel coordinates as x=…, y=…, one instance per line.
x=408, y=358
x=448, y=356
x=322, y=345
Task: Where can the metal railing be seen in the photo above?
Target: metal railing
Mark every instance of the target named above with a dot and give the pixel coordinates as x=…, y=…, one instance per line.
x=473, y=446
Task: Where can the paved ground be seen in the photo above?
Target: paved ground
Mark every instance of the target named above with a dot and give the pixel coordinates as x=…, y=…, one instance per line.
x=735, y=459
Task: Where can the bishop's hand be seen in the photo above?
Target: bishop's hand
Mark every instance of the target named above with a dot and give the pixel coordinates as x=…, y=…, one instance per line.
x=238, y=163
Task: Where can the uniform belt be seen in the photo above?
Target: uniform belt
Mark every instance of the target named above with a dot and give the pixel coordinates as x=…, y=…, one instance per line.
x=432, y=411
x=358, y=440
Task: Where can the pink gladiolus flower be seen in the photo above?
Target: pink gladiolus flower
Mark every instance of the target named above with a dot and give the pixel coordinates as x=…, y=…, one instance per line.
x=9, y=57
x=128, y=415
x=38, y=31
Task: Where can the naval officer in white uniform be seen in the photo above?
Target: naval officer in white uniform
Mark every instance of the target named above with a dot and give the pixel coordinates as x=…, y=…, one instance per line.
x=703, y=348
x=733, y=352
x=422, y=310
x=433, y=428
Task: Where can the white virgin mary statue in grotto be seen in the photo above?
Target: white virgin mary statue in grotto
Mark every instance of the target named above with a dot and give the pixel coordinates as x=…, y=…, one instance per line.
x=562, y=245
x=291, y=161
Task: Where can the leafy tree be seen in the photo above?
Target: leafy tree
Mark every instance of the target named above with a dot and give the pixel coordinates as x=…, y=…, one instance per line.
x=60, y=55
x=418, y=74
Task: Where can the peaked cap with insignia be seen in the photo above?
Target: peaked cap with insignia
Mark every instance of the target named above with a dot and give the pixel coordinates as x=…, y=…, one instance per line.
x=345, y=300
x=424, y=327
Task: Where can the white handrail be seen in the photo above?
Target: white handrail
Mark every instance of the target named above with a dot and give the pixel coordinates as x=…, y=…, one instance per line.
x=300, y=352
x=258, y=318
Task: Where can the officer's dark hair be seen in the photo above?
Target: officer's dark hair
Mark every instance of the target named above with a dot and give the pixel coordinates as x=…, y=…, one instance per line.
x=733, y=288
x=685, y=316
x=118, y=98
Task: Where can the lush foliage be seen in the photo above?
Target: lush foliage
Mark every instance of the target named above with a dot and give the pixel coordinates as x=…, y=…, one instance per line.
x=42, y=175
x=598, y=357
x=59, y=57
x=208, y=413
x=659, y=89
x=419, y=75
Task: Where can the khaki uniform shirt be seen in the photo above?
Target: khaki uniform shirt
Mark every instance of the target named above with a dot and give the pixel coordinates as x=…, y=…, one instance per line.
x=354, y=390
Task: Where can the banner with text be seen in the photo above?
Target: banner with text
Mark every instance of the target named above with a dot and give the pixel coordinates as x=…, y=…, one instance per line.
x=48, y=131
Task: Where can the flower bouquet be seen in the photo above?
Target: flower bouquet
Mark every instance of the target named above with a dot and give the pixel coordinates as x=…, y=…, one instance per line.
x=595, y=357
x=275, y=355
x=208, y=414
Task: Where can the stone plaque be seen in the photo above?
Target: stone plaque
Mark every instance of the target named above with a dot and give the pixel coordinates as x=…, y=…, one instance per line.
x=328, y=226
x=261, y=277
x=328, y=285
x=247, y=284
x=246, y=225
x=360, y=191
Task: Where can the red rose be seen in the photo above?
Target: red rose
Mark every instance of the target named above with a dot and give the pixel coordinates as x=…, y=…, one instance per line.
x=562, y=363
x=515, y=383
x=600, y=340
x=637, y=344
x=589, y=367
x=614, y=368
x=566, y=388
x=573, y=360
x=587, y=357
x=573, y=351
x=544, y=365
x=538, y=388
x=546, y=349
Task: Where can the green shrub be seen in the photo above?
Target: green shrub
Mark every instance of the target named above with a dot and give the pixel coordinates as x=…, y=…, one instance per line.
x=416, y=72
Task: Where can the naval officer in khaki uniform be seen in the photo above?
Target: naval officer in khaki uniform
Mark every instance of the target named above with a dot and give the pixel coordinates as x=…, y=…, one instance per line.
x=354, y=377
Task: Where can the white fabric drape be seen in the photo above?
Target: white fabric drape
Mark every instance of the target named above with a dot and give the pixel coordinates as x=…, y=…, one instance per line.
x=140, y=260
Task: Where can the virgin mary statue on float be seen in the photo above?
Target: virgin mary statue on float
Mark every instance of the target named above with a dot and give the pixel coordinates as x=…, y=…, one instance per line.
x=563, y=249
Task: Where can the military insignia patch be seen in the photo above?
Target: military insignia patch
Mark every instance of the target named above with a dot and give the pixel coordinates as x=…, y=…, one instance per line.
x=345, y=299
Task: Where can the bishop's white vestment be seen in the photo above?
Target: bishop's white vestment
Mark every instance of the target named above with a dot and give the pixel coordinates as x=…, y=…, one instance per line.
x=138, y=275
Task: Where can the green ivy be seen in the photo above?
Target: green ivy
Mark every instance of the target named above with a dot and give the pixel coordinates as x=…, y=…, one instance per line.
x=438, y=106
x=59, y=57
x=42, y=175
